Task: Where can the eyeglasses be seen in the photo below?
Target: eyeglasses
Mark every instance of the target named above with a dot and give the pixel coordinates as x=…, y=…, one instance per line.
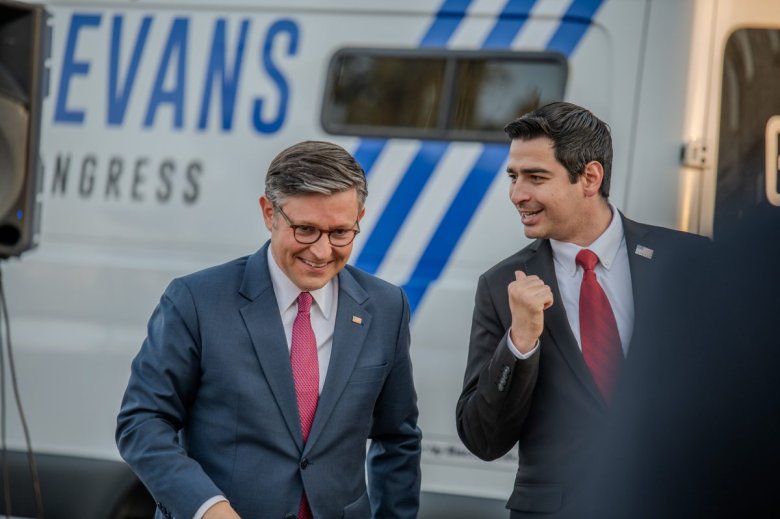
x=308, y=234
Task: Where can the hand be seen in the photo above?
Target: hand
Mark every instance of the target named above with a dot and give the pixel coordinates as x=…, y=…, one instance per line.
x=221, y=510
x=528, y=298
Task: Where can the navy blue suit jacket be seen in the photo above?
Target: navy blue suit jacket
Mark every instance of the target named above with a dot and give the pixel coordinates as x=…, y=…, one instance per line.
x=210, y=407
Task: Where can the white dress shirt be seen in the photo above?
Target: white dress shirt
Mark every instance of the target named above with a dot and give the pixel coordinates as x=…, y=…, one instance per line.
x=612, y=272
x=323, y=311
x=323, y=322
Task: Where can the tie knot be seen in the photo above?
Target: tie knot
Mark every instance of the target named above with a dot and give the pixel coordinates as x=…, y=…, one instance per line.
x=587, y=259
x=304, y=302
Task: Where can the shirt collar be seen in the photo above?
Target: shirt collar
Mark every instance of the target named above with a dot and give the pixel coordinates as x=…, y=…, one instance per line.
x=287, y=293
x=606, y=246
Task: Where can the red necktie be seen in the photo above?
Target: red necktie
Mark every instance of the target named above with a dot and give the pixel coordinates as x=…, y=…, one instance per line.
x=306, y=375
x=598, y=328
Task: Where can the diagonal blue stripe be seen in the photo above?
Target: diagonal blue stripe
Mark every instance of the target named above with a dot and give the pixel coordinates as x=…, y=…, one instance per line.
x=575, y=23
x=465, y=204
x=368, y=151
x=511, y=20
x=454, y=222
x=400, y=204
x=446, y=22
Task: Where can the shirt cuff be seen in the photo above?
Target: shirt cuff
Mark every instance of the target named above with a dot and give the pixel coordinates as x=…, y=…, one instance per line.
x=516, y=352
x=208, y=504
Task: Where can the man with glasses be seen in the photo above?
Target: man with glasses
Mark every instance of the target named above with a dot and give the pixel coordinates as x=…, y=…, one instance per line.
x=261, y=380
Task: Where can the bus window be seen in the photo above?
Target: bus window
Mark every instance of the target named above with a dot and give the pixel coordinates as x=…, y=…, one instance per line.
x=437, y=94
x=488, y=93
x=386, y=91
x=749, y=101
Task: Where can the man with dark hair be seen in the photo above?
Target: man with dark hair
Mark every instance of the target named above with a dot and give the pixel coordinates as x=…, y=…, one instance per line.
x=261, y=380
x=553, y=323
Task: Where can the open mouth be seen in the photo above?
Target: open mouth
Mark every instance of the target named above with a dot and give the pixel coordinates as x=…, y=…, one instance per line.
x=528, y=216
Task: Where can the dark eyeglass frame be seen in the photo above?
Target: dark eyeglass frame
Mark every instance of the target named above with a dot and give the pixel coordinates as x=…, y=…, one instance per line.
x=320, y=232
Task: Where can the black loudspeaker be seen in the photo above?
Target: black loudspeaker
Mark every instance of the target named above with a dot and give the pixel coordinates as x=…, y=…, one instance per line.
x=24, y=46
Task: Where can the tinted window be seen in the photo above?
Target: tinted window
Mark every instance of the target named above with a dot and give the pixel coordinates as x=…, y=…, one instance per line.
x=437, y=95
x=750, y=98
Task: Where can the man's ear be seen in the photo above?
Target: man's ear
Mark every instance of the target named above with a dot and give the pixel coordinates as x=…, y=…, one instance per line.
x=592, y=177
x=267, y=210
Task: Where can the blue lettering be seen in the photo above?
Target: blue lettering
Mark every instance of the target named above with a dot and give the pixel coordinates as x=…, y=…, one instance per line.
x=118, y=95
x=71, y=67
x=218, y=70
x=177, y=44
x=274, y=124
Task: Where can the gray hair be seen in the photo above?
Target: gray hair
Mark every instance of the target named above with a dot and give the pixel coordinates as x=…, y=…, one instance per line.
x=312, y=167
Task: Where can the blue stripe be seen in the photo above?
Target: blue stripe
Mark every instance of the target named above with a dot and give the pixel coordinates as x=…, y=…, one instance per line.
x=465, y=204
x=575, y=23
x=512, y=18
x=400, y=204
x=408, y=191
x=368, y=151
x=455, y=221
x=446, y=22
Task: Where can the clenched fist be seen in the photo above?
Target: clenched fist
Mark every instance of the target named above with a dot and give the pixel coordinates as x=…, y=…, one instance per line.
x=528, y=298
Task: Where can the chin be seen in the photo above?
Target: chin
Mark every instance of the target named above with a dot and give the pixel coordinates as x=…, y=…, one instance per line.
x=310, y=283
x=532, y=233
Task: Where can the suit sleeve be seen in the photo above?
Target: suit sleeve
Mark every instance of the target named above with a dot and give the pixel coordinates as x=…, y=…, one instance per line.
x=497, y=387
x=163, y=383
x=394, y=454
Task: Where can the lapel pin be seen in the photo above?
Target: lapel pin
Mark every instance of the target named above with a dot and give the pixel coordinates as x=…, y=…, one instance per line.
x=643, y=251
x=357, y=320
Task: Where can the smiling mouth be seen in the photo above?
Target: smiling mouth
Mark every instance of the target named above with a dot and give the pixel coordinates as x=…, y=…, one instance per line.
x=316, y=265
x=526, y=215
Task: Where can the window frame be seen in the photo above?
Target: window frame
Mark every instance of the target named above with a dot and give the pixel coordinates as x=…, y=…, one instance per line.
x=443, y=130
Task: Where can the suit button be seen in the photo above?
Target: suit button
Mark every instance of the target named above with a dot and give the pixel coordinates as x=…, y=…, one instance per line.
x=304, y=463
x=290, y=516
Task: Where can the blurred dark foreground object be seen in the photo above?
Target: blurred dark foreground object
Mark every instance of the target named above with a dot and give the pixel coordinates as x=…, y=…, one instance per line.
x=77, y=488
x=696, y=427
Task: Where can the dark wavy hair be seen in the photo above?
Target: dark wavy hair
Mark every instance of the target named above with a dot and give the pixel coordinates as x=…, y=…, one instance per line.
x=578, y=137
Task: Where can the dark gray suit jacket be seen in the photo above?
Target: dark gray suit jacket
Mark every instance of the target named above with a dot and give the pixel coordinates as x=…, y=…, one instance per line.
x=210, y=407
x=549, y=403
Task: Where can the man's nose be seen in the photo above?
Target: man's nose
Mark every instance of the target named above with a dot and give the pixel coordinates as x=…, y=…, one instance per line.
x=322, y=247
x=518, y=193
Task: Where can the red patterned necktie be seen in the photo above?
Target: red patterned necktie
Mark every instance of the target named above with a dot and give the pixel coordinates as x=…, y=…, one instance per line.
x=598, y=328
x=306, y=375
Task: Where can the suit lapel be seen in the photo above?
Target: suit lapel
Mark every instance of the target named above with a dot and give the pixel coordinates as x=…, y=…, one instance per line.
x=348, y=339
x=262, y=319
x=641, y=275
x=556, y=321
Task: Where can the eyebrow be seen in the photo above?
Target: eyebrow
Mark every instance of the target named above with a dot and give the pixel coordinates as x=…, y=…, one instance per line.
x=325, y=228
x=527, y=171
x=306, y=223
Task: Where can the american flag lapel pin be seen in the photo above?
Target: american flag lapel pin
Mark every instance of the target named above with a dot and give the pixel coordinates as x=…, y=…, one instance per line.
x=357, y=320
x=643, y=251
